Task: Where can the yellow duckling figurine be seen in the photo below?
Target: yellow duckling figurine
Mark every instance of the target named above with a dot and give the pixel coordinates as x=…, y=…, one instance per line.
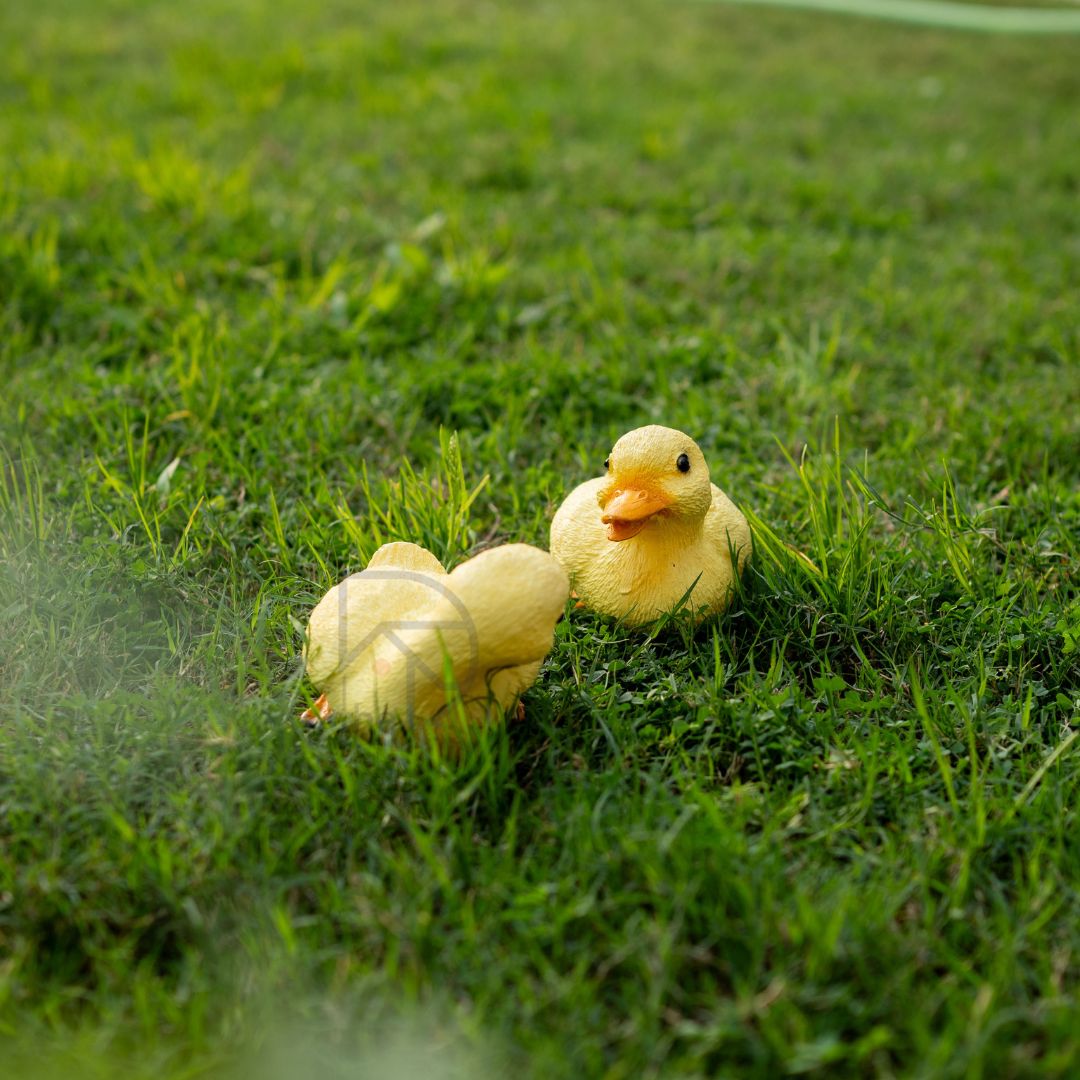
x=382, y=643
x=635, y=540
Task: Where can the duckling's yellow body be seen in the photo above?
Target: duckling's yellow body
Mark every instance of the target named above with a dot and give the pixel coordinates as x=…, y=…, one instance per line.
x=382, y=643
x=653, y=528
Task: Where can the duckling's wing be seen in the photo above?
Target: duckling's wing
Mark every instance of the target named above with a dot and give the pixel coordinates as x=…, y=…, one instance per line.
x=726, y=527
x=577, y=533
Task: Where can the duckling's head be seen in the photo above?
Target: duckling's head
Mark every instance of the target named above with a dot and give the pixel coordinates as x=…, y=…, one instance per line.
x=657, y=478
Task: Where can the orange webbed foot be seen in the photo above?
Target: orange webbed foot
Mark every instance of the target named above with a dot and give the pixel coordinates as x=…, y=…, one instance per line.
x=319, y=711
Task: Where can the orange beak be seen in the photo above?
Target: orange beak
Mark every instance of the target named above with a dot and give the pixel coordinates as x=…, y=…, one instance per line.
x=628, y=511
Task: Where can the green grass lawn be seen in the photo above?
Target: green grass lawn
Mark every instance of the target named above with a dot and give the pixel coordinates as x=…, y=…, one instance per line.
x=255, y=257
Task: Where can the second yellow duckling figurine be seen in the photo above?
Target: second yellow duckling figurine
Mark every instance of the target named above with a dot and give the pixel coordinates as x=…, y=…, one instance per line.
x=386, y=644
x=636, y=539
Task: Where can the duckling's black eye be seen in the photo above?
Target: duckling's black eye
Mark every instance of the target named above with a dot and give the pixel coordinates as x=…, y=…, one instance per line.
x=683, y=464
x=607, y=464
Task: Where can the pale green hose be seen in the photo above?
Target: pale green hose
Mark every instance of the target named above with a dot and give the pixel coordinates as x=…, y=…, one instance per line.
x=956, y=16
